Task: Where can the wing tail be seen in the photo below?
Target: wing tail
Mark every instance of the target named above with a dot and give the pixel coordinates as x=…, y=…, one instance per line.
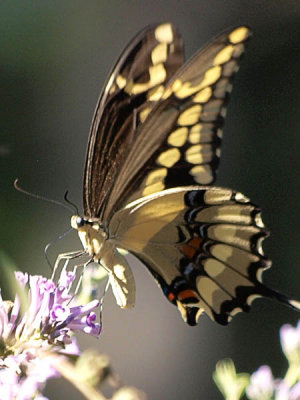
x=282, y=298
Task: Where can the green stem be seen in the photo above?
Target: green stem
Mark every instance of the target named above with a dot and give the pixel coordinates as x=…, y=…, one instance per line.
x=69, y=372
x=292, y=375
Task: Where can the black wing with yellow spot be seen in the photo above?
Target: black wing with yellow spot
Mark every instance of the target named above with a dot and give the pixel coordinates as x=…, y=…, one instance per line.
x=135, y=84
x=203, y=247
x=179, y=142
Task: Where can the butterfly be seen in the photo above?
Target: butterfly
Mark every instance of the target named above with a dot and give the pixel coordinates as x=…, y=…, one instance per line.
x=152, y=158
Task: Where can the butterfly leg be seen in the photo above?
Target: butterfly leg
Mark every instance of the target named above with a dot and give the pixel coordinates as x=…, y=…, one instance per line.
x=83, y=266
x=67, y=257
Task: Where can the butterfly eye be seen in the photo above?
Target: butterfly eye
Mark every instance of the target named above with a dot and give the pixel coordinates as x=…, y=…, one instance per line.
x=79, y=221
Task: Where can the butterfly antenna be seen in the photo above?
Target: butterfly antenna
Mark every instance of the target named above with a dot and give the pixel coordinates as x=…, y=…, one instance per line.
x=51, y=243
x=37, y=196
x=73, y=205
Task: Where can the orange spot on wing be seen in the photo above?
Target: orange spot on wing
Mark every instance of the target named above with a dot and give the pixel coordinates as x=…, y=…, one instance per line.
x=171, y=297
x=185, y=294
x=192, y=247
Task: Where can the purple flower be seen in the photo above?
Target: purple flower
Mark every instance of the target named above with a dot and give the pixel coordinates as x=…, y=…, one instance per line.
x=66, y=278
x=290, y=342
x=46, y=327
x=15, y=386
x=295, y=392
x=284, y=392
x=262, y=384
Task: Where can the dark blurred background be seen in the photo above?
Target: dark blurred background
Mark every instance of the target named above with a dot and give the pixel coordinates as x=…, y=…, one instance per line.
x=54, y=58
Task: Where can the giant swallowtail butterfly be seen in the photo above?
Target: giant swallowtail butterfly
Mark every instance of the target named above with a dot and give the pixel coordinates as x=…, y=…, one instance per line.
x=152, y=157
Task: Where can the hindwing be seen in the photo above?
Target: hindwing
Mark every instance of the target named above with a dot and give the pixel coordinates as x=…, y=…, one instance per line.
x=201, y=244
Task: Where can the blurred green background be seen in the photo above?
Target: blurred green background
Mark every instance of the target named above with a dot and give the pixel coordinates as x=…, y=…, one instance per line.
x=54, y=58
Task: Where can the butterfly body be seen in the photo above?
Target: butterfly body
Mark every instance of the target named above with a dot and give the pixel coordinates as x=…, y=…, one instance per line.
x=103, y=250
x=152, y=157
x=91, y=234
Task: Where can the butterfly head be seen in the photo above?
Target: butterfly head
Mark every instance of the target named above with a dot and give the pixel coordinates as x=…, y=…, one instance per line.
x=91, y=233
x=77, y=222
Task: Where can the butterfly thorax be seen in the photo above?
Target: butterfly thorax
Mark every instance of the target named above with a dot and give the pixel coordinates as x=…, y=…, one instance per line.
x=91, y=233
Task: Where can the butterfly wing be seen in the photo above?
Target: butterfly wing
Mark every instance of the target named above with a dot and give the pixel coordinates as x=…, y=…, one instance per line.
x=179, y=142
x=158, y=126
x=136, y=82
x=120, y=275
x=203, y=247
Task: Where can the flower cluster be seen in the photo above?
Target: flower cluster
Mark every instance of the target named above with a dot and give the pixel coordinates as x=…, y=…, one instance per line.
x=261, y=385
x=39, y=323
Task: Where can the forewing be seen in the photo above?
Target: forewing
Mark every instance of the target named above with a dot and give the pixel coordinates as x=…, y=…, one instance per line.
x=201, y=244
x=135, y=84
x=179, y=142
